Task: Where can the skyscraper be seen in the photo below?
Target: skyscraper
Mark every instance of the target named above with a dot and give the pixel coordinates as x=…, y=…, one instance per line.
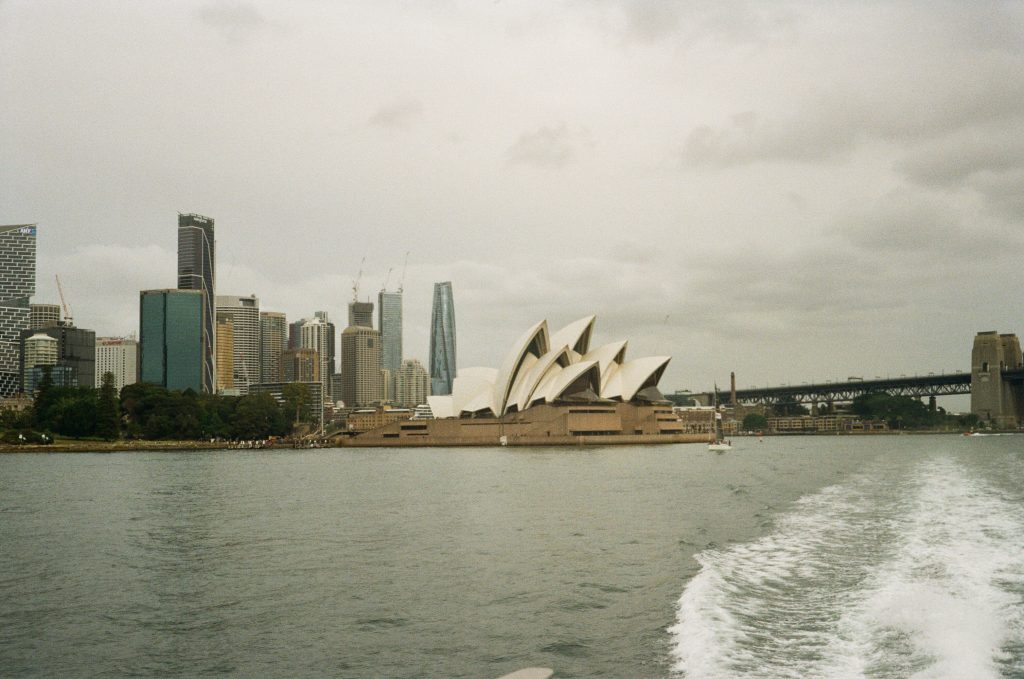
x=389, y=322
x=442, y=340
x=360, y=366
x=118, y=356
x=273, y=340
x=332, y=362
x=225, y=354
x=172, y=336
x=300, y=365
x=412, y=385
x=197, y=271
x=361, y=314
x=17, y=284
x=40, y=350
x=316, y=335
x=244, y=313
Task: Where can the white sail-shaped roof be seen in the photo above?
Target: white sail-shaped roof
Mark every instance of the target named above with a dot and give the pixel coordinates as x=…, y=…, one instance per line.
x=473, y=390
x=534, y=342
x=551, y=362
x=542, y=368
x=566, y=378
x=576, y=335
x=640, y=373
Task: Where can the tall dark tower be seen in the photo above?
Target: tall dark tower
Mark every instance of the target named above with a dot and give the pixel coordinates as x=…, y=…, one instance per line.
x=442, y=340
x=17, y=284
x=197, y=270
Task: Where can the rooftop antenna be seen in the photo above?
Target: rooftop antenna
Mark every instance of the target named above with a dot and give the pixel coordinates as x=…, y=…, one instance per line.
x=401, y=281
x=355, y=283
x=384, y=288
x=67, y=312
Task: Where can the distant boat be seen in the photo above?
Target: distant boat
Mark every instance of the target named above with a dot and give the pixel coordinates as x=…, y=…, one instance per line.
x=529, y=673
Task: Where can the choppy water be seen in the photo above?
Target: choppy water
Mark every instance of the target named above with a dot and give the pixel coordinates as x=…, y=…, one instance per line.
x=831, y=557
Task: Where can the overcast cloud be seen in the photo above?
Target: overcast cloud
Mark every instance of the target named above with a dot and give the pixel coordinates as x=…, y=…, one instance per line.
x=794, y=191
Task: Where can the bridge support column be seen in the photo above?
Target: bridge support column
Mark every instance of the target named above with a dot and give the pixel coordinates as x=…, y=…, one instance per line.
x=931, y=404
x=814, y=407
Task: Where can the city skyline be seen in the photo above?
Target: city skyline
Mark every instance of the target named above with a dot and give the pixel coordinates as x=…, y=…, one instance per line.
x=789, y=192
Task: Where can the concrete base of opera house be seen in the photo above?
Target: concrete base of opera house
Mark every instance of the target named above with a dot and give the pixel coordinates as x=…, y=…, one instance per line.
x=542, y=425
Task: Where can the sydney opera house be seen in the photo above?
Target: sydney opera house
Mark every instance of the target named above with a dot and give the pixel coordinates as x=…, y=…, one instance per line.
x=552, y=388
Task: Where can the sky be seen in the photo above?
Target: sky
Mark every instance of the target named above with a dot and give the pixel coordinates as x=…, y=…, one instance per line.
x=794, y=191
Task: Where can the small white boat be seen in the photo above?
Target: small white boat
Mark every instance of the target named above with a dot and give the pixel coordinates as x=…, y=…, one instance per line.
x=719, y=446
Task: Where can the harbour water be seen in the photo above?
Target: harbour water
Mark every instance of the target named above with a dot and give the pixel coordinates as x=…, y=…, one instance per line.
x=793, y=557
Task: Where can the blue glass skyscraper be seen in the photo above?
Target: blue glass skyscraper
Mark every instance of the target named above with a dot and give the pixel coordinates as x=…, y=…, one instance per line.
x=172, y=339
x=442, y=340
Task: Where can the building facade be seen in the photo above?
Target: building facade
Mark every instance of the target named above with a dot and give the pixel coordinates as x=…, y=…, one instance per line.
x=412, y=384
x=197, y=270
x=76, y=349
x=40, y=350
x=332, y=336
x=118, y=356
x=17, y=285
x=316, y=335
x=361, y=314
x=442, y=340
x=172, y=340
x=225, y=354
x=44, y=316
x=300, y=365
x=389, y=322
x=360, y=367
x=244, y=313
x=273, y=340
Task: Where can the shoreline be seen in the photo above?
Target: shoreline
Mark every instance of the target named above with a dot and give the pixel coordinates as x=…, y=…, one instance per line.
x=177, y=446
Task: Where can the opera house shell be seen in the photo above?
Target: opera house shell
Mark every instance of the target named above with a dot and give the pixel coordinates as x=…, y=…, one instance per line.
x=551, y=389
x=546, y=368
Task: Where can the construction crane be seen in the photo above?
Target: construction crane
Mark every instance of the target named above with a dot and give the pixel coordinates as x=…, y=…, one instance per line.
x=359, y=277
x=401, y=282
x=67, y=312
x=384, y=288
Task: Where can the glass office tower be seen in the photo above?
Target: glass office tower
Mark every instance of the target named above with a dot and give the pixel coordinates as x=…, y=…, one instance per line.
x=389, y=322
x=197, y=271
x=442, y=340
x=172, y=340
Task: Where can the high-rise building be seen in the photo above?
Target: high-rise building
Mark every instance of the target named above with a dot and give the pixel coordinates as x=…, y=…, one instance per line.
x=44, y=316
x=40, y=350
x=389, y=322
x=225, y=354
x=273, y=340
x=76, y=349
x=316, y=335
x=412, y=384
x=295, y=333
x=244, y=313
x=172, y=340
x=300, y=365
x=332, y=362
x=360, y=367
x=361, y=314
x=17, y=285
x=442, y=340
x=118, y=356
x=197, y=270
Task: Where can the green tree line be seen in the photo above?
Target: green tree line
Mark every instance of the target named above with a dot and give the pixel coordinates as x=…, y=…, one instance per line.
x=147, y=411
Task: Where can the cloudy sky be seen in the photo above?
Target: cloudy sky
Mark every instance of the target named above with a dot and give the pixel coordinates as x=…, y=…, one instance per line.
x=795, y=191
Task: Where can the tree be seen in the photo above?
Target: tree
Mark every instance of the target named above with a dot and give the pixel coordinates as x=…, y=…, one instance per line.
x=755, y=422
x=258, y=416
x=296, y=396
x=108, y=410
x=75, y=413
